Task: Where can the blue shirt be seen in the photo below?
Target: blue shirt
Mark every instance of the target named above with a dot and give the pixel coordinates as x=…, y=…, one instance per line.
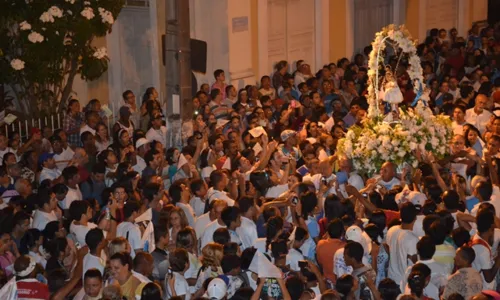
x=471, y=202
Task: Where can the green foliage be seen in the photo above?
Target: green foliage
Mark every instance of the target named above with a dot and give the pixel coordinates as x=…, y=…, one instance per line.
x=66, y=50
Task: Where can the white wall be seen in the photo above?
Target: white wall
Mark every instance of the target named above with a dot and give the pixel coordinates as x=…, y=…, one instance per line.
x=209, y=22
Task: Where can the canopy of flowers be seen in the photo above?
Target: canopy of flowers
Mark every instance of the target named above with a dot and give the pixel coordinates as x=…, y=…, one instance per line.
x=416, y=129
x=45, y=44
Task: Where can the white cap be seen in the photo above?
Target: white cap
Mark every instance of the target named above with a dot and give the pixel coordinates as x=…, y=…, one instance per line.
x=417, y=198
x=355, y=234
x=141, y=142
x=217, y=289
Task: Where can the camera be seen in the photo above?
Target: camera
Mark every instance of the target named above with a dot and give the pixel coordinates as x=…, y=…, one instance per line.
x=323, y=179
x=303, y=264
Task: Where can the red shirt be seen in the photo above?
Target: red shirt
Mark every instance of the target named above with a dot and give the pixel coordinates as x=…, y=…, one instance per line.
x=32, y=289
x=391, y=215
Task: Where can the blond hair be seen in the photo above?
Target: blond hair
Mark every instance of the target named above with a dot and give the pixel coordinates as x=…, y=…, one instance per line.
x=212, y=255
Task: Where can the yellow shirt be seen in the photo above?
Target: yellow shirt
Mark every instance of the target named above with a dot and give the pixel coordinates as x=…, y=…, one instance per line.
x=129, y=288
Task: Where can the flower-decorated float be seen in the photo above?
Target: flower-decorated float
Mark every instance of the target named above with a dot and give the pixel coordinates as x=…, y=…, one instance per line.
x=398, y=134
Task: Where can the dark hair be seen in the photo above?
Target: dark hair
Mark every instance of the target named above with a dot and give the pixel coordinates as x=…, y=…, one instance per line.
x=426, y=248
x=160, y=231
x=218, y=72
x=484, y=219
x=150, y=190
x=273, y=226
x=151, y=291
x=335, y=228
x=230, y=214
x=245, y=203
x=231, y=248
x=230, y=262
x=389, y=290
x=129, y=208
x=428, y=220
x=336, y=208
x=56, y=246
x=124, y=259
x=56, y=279
x=150, y=156
x=184, y=238
x=309, y=201
x=247, y=257
x=92, y=273
x=69, y=172
x=279, y=248
x=417, y=282
x=221, y=236
x=485, y=190
x=29, y=240
x=78, y=208
x=93, y=238
x=354, y=250
x=178, y=259
x=408, y=213
x=460, y=236
x=175, y=191
x=468, y=253
x=295, y=287
x=196, y=185
x=344, y=285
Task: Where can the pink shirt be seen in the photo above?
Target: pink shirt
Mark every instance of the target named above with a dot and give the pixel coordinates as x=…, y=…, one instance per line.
x=7, y=263
x=221, y=88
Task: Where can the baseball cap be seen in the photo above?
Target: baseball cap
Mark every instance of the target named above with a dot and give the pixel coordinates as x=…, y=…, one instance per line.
x=125, y=111
x=141, y=142
x=285, y=134
x=355, y=234
x=417, y=198
x=44, y=157
x=217, y=289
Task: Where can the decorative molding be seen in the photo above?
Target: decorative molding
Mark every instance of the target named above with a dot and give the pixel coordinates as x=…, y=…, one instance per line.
x=262, y=20
x=241, y=74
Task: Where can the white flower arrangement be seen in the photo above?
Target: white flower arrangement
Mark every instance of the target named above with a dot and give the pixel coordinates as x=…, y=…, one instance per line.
x=35, y=37
x=46, y=17
x=17, y=64
x=88, y=13
x=100, y=53
x=418, y=129
x=106, y=16
x=24, y=25
x=377, y=142
x=70, y=1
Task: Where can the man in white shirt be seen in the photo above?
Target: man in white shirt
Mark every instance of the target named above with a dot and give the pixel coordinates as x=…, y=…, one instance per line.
x=231, y=216
x=478, y=116
x=484, y=192
x=487, y=262
x=143, y=267
x=92, y=118
x=61, y=156
x=80, y=212
x=232, y=96
x=129, y=230
x=454, y=90
x=198, y=202
x=49, y=168
x=157, y=132
x=354, y=179
x=248, y=229
x=142, y=147
x=214, y=211
x=45, y=214
x=426, y=250
x=92, y=286
x=95, y=258
x=403, y=243
x=180, y=194
x=219, y=182
x=71, y=179
x=388, y=177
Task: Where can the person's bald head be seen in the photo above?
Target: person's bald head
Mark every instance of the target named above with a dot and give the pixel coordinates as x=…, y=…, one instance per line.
x=388, y=171
x=481, y=101
x=325, y=167
x=345, y=164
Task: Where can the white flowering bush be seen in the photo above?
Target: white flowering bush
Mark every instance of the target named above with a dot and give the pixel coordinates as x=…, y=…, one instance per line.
x=377, y=141
x=44, y=45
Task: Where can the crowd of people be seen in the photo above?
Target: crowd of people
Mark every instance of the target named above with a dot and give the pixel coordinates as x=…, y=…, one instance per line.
x=257, y=204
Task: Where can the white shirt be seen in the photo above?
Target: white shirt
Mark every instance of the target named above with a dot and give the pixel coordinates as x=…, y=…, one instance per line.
x=63, y=158
x=181, y=287
x=198, y=206
x=439, y=277
x=260, y=245
x=493, y=201
x=41, y=219
x=247, y=232
x=479, y=121
x=108, y=180
x=201, y=224
x=188, y=211
x=208, y=235
x=140, y=165
x=80, y=231
x=356, y=181
x=292, y=259
x=141, y=277
x=485, y=257
x=159, y=135
x=72, y=195
x=455, y=93
x=93, y=262
x=403, y=243
x=132, y=233
x=457, y=128
x=418, y=226
x=213, y=194
x=276, y=191
x=49, y=174
x=87, y=128
x=389, y=184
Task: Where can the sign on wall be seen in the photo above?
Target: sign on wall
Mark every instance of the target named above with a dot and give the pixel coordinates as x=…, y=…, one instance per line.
x=240, y=24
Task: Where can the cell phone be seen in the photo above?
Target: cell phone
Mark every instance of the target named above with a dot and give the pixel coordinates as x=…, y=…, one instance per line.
x=323, y=179
x=295, y=200
x=303, y=264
